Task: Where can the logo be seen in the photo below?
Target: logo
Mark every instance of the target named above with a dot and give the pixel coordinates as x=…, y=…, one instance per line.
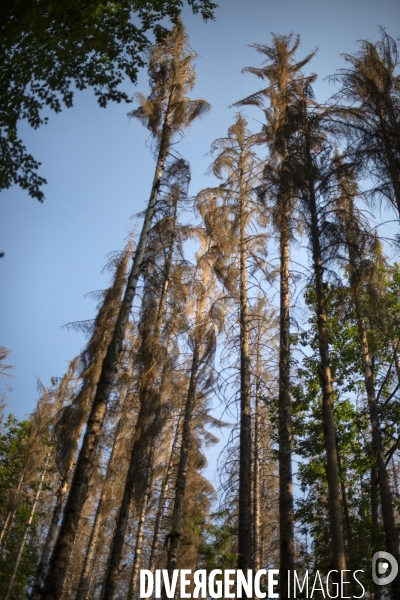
x=381, y=561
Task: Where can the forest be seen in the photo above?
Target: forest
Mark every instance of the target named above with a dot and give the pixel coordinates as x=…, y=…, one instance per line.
x=272, y=293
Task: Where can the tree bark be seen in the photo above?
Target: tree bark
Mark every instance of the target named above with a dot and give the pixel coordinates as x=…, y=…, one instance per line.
x=245, y=534
x=256, y=476
x=286, y=519
x=375, y=521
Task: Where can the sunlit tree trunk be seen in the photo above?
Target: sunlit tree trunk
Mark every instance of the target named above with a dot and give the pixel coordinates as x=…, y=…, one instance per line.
x=256, y=473
x=245, y=527
x=286, y=520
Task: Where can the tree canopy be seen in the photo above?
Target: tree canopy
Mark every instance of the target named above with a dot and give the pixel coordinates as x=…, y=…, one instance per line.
x=49, y=49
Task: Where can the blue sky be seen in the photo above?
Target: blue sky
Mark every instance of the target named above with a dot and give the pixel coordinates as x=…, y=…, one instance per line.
x=99, y=172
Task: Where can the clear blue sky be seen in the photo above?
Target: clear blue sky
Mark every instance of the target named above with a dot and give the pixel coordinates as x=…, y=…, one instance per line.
x=99, y=172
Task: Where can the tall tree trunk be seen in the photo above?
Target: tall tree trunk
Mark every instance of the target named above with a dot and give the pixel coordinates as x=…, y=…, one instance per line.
x=256, y=476
x=245, y=534
x=286, y=520
x=347, y=524
x=174, y=535
x=335, y=512
x=9, y=522
x=26, y=530
x=163, y=495
x=375, y=521
x=63, y=547
x=139, y=535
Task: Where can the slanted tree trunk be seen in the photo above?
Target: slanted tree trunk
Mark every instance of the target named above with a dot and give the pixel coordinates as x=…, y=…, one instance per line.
x=175, y=533
x=27, y=528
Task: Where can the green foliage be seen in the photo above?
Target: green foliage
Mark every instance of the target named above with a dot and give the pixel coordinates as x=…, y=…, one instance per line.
x=50, y=48
x=13, y=458
x=355, y=453
x=18, y=485
x=217, y=551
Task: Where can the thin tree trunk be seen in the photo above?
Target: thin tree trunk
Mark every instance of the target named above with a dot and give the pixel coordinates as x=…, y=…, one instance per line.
x=286, y=519
x=256, y=476
x=335, y=512
x=347, y=524
x=6, y=527
x=245, y=533
x=9, y=521
x=163, y=494
x=63, y=547
x=375, y=521
x=26, y=530
x=139, y=536
x=174, y=535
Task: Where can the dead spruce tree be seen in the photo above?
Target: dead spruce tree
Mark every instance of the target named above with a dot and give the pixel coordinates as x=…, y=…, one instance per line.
x=283, y=75
x=206, y=319
x=263, y=343
x=311, y=167
x=228, y=212
x=166, y=112
x=152, y=360
x=371, y=113
x=68, y=428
